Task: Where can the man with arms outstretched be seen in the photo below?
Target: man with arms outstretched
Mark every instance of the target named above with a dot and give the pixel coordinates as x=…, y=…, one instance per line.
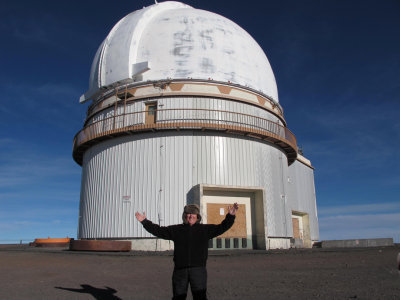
x=190, y=248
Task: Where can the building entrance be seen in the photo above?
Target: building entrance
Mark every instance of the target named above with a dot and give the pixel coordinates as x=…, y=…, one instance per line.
x=301, y=230
x=215, y=208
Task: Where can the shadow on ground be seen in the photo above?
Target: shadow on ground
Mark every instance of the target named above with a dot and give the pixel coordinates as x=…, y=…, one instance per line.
x=97, y=293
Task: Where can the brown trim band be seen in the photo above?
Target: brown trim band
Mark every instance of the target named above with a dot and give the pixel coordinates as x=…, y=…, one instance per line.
x=201, y=89
x=251, y=126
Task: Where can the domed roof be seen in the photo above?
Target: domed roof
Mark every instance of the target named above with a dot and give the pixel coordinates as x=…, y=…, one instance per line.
x=171, y=40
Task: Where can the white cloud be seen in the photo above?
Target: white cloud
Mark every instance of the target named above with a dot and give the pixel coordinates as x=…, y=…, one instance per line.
x=359, y=209
x=26, y=230
x=30, y=28
x=39, y=192
x=344, y=222
x=376, y=220
x=354, y=136
x=30, y=171
x=28, y=224
x=51, y=104
x=57, y=89
x=21, y=164
x=37, y=214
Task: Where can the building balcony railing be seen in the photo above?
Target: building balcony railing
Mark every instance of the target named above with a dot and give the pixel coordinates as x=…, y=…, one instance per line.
x=176, y=119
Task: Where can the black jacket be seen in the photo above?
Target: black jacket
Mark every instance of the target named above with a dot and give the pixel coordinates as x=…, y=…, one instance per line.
x=190, y=242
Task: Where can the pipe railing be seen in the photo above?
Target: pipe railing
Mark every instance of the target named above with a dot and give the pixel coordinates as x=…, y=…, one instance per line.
x=183, y=118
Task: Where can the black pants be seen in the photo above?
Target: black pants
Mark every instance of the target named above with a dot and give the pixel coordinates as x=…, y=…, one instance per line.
x=196, y=276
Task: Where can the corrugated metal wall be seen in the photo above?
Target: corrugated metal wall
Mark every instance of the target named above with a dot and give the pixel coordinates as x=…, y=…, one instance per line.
x=154, y=172
x=301, y=194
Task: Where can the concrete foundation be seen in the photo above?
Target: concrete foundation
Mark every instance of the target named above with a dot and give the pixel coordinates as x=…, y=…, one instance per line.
x=278, y=243
x=357, y=243
x=152, y=244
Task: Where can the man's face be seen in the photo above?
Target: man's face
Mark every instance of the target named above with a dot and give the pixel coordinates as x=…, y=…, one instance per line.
x=191, y=218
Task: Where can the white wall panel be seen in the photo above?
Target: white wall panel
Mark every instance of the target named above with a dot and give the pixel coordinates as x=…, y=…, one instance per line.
x=301, y=194
x=155, y=172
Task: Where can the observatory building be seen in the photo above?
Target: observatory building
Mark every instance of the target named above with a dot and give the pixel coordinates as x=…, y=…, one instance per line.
x=185, y=109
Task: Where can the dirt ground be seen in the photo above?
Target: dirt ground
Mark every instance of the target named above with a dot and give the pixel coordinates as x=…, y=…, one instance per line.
x=356, y=273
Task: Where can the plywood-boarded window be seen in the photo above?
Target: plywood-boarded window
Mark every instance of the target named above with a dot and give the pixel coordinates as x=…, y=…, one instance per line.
x=216, y=213
x=296, y=228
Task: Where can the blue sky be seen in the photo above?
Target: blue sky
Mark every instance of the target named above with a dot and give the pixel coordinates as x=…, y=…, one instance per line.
x=337, y=68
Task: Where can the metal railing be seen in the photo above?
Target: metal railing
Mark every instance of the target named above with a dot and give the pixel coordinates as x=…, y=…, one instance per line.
x=184, y=118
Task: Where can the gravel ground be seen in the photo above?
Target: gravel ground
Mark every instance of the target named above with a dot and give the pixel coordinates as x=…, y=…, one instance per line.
x=55, y=273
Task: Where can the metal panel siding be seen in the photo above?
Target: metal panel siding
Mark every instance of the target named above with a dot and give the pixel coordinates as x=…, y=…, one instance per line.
x=154, y=172
x=277, y=210
x=158, y=170
x=241, y=162
x=132, y=167
x=301, y=194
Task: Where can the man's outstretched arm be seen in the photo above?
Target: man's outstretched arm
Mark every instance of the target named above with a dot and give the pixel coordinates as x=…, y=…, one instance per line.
x=154, y=229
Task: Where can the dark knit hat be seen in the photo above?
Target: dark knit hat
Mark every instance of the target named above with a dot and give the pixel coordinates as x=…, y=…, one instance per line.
x=193, y=209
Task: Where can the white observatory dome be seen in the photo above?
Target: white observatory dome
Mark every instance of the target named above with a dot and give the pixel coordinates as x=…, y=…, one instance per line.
x=171, y=40
x=184, y=111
